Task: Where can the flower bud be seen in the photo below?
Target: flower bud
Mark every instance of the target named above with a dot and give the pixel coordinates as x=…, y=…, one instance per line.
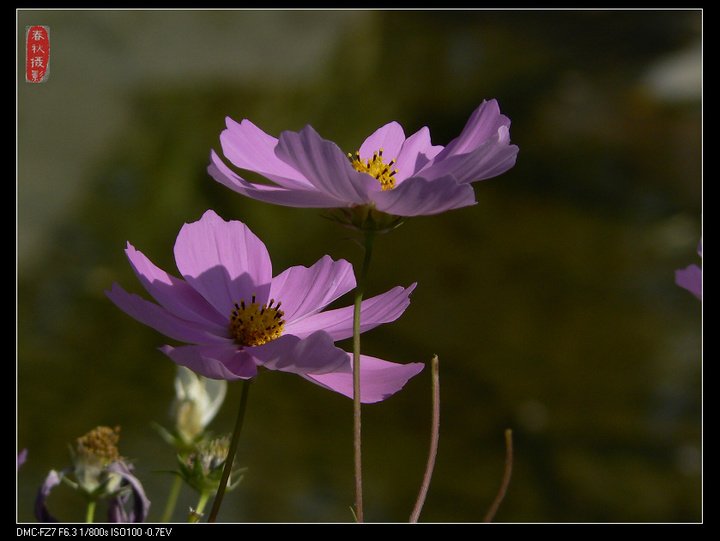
x=203, y=468
x=197, y=401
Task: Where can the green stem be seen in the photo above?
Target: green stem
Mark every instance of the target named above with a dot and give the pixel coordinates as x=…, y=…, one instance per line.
x=231, y=452
x=357, y=424
x=90, y=512
x=196, y=514
x=172, y=499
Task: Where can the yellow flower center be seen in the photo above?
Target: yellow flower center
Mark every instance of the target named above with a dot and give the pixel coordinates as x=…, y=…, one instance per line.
x=376, y=167
x=252, y=324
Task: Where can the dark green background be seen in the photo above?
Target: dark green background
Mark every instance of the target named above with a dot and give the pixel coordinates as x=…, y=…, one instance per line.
x=551, y=303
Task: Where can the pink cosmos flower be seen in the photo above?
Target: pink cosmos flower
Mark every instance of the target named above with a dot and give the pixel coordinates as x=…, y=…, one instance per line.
x=690, y=277
x=236, y=316
x=394, y=174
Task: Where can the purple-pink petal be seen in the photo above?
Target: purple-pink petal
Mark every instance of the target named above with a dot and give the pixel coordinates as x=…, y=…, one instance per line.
x=305, y=291
x=52, y=480
x=390, y=138
x=164, y=322
x=248, y=147
x=378, y=379
x=315, y=354
x=227, y=362
x=141, y=503
x=338, y=323
x=277, y=195
x=224, y=261
x=489, y=159
x=21, y=458
x=417, y=151
x=418, y=196
x=175, y=295
x=325, y=166
x=690, y=278
x=483, y=124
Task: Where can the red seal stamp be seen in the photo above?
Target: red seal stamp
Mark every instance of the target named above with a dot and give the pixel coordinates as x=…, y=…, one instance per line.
x=37, y=54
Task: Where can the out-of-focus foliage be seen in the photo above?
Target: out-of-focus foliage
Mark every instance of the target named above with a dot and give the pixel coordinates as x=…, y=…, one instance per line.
x=551, y=303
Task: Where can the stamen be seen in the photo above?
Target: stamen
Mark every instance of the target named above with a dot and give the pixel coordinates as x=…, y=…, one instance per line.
x=376, y=167
x=253, y=325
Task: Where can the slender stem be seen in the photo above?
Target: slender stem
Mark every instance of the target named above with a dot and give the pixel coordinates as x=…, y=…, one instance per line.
x=357, y=424
x=90, y=512
x=172, y=499
x=506, y=477
x=196, y=513
x=231, y=451
x=434, y=439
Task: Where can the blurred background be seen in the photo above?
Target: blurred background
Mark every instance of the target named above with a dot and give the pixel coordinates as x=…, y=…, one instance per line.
x=551, y=304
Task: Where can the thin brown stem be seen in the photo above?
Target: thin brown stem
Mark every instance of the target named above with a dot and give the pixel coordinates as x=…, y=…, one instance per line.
x=357, y=422
x=434, y=439
x=506, y=477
